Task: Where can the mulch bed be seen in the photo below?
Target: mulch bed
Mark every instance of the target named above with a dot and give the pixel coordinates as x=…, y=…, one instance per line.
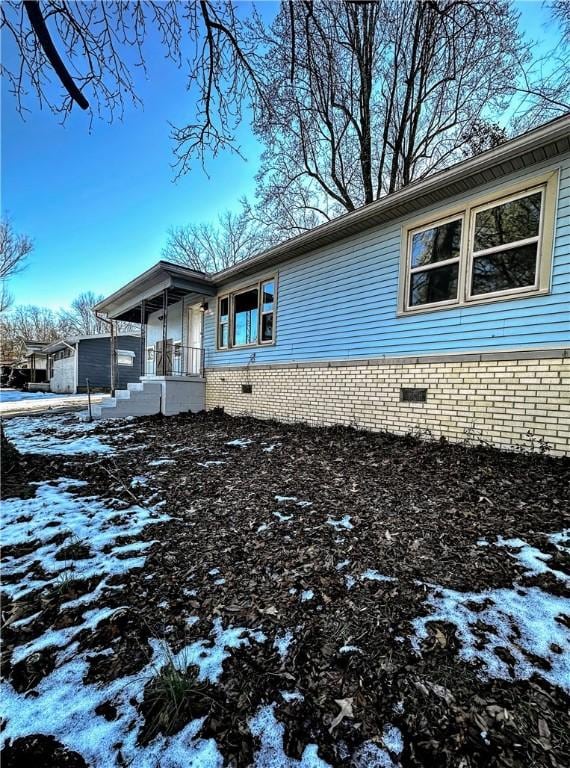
x=417, y=509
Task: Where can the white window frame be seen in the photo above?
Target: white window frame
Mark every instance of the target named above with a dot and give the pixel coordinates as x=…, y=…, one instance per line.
x=547, y=182
x=469, y=295
x=230, y=296
x=128, y=354
x=434, y=265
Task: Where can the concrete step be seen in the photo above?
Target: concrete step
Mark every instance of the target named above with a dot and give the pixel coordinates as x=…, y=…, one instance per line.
x=147, y=386
x=122, y=394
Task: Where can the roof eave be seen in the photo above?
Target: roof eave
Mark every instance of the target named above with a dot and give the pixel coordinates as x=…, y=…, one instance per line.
x=370, y=214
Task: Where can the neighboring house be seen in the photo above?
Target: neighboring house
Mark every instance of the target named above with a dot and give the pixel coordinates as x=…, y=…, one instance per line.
x=73, y=360
x=443, y=307
x=35, y=359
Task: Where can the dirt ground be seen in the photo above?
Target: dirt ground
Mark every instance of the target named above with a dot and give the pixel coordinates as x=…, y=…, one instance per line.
x=333, y=545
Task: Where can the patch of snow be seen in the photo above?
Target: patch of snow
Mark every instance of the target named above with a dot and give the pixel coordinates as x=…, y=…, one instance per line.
x=370, y=755
x=292, y=695
x=262, y=527
x=295, y=499
x=393, y=739
x=240, y=442
x=55, y=434
x=344, y=522
x=525, y=621
x=270, y=732
x=207, y=657
x=282, y=643
x=531, y=558
x=350, y=581
x=342, y=564
x=307, y=594
x=372, y=575
x=282, y=518
x=86, y=519
x=64, y=707
x=160, y=462
x=191, y=620
x=270, y=448
x=482, y=543
x=210, y=463
x=218, y=582
x=15, y=396
x=349, y=649
x=139, y=480
x=59, y=638
x=213, y=571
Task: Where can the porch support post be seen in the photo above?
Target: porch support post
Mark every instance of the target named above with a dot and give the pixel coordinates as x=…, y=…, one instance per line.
x=113, y=358
x=142, y=365
x=164, y=330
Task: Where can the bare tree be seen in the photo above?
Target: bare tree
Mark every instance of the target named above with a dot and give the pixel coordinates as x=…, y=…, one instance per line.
x=79, y=319
x=211, y=248
x=370, y=96
x=14, y=249
x=543, y=90
x=94, y=48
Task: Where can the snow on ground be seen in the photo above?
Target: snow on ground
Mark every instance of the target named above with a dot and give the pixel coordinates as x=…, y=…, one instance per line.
x=372, y=575
x=40, y=402
x=525, y=621
x=86, y=521
x=338, y=525
x=271, y=754
x=54, y=434
x=16, y=395
x=531, y=558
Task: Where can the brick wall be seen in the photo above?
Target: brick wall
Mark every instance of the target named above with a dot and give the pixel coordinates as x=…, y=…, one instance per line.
x=496, y=397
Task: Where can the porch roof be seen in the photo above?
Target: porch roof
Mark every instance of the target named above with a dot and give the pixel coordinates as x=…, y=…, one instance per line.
x=125, y=304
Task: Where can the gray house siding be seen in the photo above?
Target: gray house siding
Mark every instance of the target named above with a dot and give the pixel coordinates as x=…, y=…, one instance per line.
x=95, y=363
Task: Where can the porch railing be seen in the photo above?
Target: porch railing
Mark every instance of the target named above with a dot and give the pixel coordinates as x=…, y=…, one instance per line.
x=173, y=360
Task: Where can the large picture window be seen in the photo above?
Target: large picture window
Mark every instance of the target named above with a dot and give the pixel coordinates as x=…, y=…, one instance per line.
x=246, y=317
x=493, y=249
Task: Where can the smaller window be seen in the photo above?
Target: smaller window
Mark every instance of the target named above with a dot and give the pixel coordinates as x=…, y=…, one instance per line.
x=125, y=357
x=434, y=263
x=267, y=310
x=223, y=322
x=150, y=353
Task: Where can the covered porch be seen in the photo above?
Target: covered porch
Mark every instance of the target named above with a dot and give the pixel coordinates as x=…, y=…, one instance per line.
x=168, y=302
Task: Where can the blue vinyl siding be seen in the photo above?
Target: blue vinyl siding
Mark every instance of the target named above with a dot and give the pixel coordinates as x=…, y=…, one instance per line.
x=340, y=302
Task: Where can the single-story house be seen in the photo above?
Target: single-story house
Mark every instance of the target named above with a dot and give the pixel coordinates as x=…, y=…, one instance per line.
x=442, y=308
x=35, y=358
x=76, y=359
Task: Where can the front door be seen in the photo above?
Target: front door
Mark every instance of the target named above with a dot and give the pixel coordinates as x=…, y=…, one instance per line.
x=163, y=354
x=195, y=318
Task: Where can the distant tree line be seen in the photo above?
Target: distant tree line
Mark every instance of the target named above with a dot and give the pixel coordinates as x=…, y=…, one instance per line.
x=28, y=322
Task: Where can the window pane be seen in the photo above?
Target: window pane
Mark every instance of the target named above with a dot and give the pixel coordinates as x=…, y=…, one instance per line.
x=504, y=270
x=268, y=296
x=267, y=327
x=434, y=285
x=245, y=317
x=223, y=337
x=436, y=244
x=508, y=223
x=223, y=322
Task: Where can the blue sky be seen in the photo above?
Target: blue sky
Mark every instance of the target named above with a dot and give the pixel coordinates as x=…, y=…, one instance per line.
x=98, y=199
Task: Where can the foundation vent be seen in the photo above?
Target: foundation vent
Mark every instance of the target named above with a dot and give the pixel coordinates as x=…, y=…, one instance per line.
x=413, y=395
x=246, y=389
